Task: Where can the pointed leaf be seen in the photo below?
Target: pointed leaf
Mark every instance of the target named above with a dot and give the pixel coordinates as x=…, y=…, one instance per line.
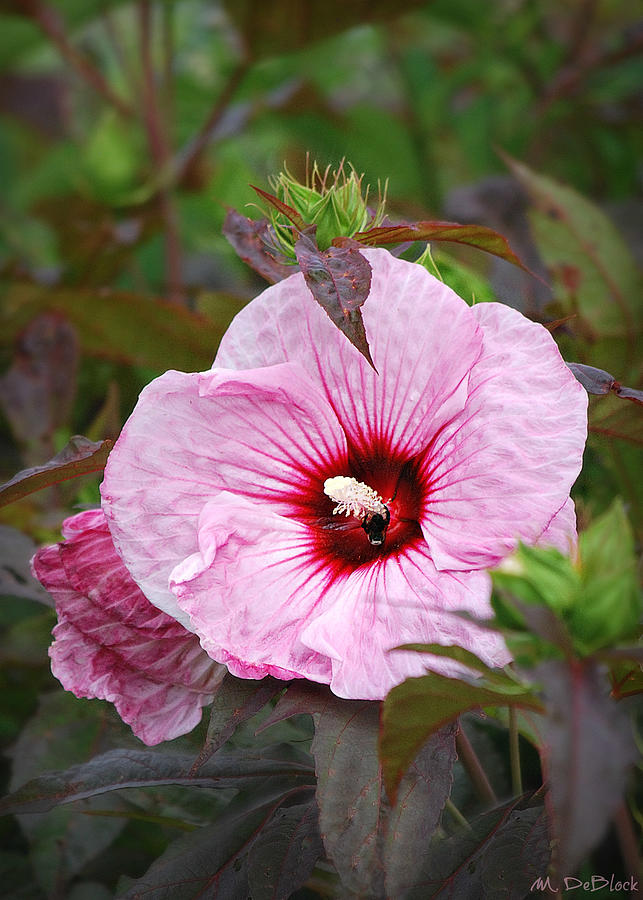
x=349, y=793
x=415, y=816
x=284, y=852
x=501, y=855
x=79, y=457
x=598, y=381
x=595, y=273
x=119, y=769
x=417, y=708
x=291, y=214
x=478, y=236
x=211, y=862
x=467, y=658
x=235, y=701
x=300, y=698
x=587, y=750
x=252, y=241
x=375, y=847
x=340, y=281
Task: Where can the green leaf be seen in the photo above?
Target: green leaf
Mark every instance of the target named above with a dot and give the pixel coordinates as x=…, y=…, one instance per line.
x=466, y=282
x=537, y=576
x=467, y=658
x=79, y=457
x=610, y=604
x=417, y=708
x=595, y=275
x=123, y=326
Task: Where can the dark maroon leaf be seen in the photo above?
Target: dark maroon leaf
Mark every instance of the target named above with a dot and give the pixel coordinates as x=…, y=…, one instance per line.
x=413, y=820
x=291, y=214
x=587, y=750
x=211, y=862
x=340, y=281
x=235, y=701
x=284, y=852
x=419, y=707
x=79, y=457
x=477, y=236
x=598, y=381
x=16, y=580
x=301, y=697
x=376, y=849
x=350, y=796
x=595, y=381
x=252, y=241
x=119, y=769
x=517, y=856
x=450, y=867
x=627, y=393
x=38, y=390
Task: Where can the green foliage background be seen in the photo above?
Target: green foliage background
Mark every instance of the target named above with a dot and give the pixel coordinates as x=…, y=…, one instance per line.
x=125, y=131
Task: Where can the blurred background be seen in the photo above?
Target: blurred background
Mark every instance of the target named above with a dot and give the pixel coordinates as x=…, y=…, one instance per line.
x=127, y=128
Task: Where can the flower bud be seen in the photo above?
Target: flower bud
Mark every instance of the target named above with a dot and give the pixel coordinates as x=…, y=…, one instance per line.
x=335, y=202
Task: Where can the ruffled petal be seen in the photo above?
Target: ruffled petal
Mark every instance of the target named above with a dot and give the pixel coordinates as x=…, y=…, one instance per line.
x=404, y=600
x=263, y=434
x=112, y=644
x=251, y=588
x=561, y=530
x=423, y=340
x=502, y=468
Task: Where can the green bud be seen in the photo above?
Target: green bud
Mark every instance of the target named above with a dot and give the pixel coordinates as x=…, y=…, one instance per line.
x=336, y=202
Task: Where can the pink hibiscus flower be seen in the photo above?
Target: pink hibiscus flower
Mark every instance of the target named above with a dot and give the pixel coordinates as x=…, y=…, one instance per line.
x=112, y=644
x=303, y=515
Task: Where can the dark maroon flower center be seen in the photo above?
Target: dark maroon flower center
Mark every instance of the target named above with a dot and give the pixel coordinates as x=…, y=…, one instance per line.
x=342, y=542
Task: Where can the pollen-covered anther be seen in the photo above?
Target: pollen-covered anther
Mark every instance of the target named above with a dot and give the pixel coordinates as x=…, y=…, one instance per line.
x=358, y=499
x=354, y=498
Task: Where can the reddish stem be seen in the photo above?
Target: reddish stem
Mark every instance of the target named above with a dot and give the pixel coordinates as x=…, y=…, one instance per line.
x=52, y=25
x=160, y=151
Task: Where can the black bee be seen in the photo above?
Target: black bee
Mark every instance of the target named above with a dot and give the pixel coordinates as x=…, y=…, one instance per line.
x=375, y=525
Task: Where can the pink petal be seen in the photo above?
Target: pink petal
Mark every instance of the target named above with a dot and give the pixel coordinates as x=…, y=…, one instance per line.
x=404, y=600
x=502, y=468
x=250, y=589
x=423, y=340
x=262, y=434
x=112, y=644
x=561, y=530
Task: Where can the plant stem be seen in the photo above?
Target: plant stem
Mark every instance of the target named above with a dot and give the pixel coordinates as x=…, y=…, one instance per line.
x=514, y=753
x=457, y=815
x=160, y=152
x=474, y=769
x=50, y=22
x=190, y=154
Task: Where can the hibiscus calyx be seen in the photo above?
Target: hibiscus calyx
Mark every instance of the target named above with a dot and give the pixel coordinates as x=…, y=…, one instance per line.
x=355, y=498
